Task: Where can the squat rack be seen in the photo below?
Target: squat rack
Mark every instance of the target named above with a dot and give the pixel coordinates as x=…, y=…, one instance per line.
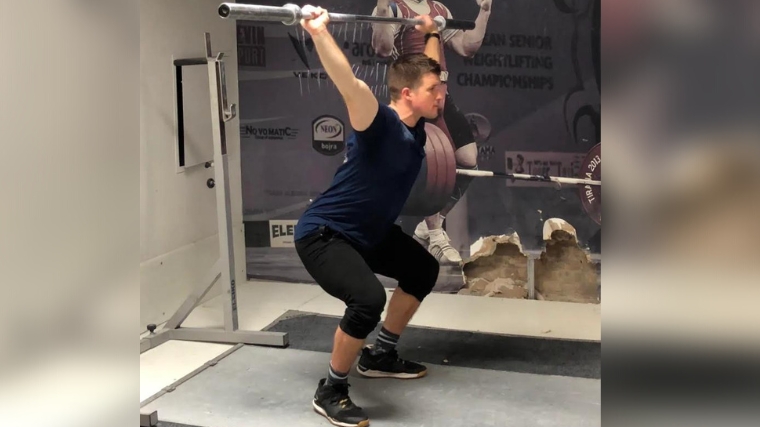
x=224, y=268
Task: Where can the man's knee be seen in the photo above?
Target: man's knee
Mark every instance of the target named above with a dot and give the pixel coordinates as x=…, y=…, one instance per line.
x=467, y=156
x=421, y=282
x=363, y=312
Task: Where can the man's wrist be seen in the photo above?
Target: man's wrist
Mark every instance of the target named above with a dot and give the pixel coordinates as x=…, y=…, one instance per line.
x=430, y=35
x=320, y=33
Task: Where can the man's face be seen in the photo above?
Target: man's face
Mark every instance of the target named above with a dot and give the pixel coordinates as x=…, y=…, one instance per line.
x=426, y=98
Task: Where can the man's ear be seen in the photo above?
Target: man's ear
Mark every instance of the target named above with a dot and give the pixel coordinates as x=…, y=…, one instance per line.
x=405, y=92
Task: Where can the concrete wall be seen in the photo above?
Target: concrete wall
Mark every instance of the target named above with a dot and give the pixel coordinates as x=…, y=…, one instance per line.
x=178, y=223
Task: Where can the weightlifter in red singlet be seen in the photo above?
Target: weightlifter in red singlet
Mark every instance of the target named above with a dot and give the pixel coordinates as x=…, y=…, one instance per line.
x=394, y=40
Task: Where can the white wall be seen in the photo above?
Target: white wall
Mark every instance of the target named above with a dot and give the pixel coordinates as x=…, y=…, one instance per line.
x=178, y=228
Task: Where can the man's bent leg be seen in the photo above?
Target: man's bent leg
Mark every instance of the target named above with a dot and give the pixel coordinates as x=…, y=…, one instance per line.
x=416, y=271
x=362, y=315
x=400, y=311
x=345, y=349
x=343, y=273
x=401, y=258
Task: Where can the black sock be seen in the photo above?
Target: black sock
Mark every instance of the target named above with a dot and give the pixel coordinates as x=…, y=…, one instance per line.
x=334, y=377
x=386, y=341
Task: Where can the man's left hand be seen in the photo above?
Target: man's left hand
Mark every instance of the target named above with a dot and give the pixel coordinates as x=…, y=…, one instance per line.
x=315, y=19
x=484, y=4
x=428, y=26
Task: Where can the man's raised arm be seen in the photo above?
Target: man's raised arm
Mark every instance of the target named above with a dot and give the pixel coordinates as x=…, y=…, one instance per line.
x=360, y=101
x=433, y=37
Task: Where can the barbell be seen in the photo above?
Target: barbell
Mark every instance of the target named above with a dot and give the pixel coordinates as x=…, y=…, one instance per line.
x=435, y=182
x=527, y=177
x=290, y=14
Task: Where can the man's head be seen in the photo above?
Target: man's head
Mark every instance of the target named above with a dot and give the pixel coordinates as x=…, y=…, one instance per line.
x=415, y=80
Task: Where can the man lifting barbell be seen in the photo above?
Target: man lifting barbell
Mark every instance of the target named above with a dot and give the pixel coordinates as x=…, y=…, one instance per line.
x=349, y=233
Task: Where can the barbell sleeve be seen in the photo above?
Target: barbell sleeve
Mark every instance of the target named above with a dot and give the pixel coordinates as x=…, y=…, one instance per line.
x=458, y=24
x=527, y=177
x=290, y=14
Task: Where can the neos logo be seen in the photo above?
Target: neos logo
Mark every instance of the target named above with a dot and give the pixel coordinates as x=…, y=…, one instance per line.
x=328, y=137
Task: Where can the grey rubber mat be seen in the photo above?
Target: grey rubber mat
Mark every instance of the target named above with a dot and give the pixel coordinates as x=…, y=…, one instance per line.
x=464, y=349
x=274, y=387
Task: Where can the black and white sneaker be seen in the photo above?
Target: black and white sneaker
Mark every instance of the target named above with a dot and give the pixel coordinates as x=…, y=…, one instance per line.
x=333, y=403
x=388, y=365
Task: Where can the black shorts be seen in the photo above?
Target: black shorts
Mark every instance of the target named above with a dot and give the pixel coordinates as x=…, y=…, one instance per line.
x=348, y=273
x=459, y=128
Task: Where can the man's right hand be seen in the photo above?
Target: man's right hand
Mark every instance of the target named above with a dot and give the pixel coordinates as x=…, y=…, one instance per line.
x=316, y=19
x=428, y=25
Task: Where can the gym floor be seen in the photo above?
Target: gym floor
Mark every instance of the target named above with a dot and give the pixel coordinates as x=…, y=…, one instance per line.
x=492, y=362
x=273, y=387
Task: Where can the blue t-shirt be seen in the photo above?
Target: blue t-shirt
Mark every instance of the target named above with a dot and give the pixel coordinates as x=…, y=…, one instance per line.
x=370, y=188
